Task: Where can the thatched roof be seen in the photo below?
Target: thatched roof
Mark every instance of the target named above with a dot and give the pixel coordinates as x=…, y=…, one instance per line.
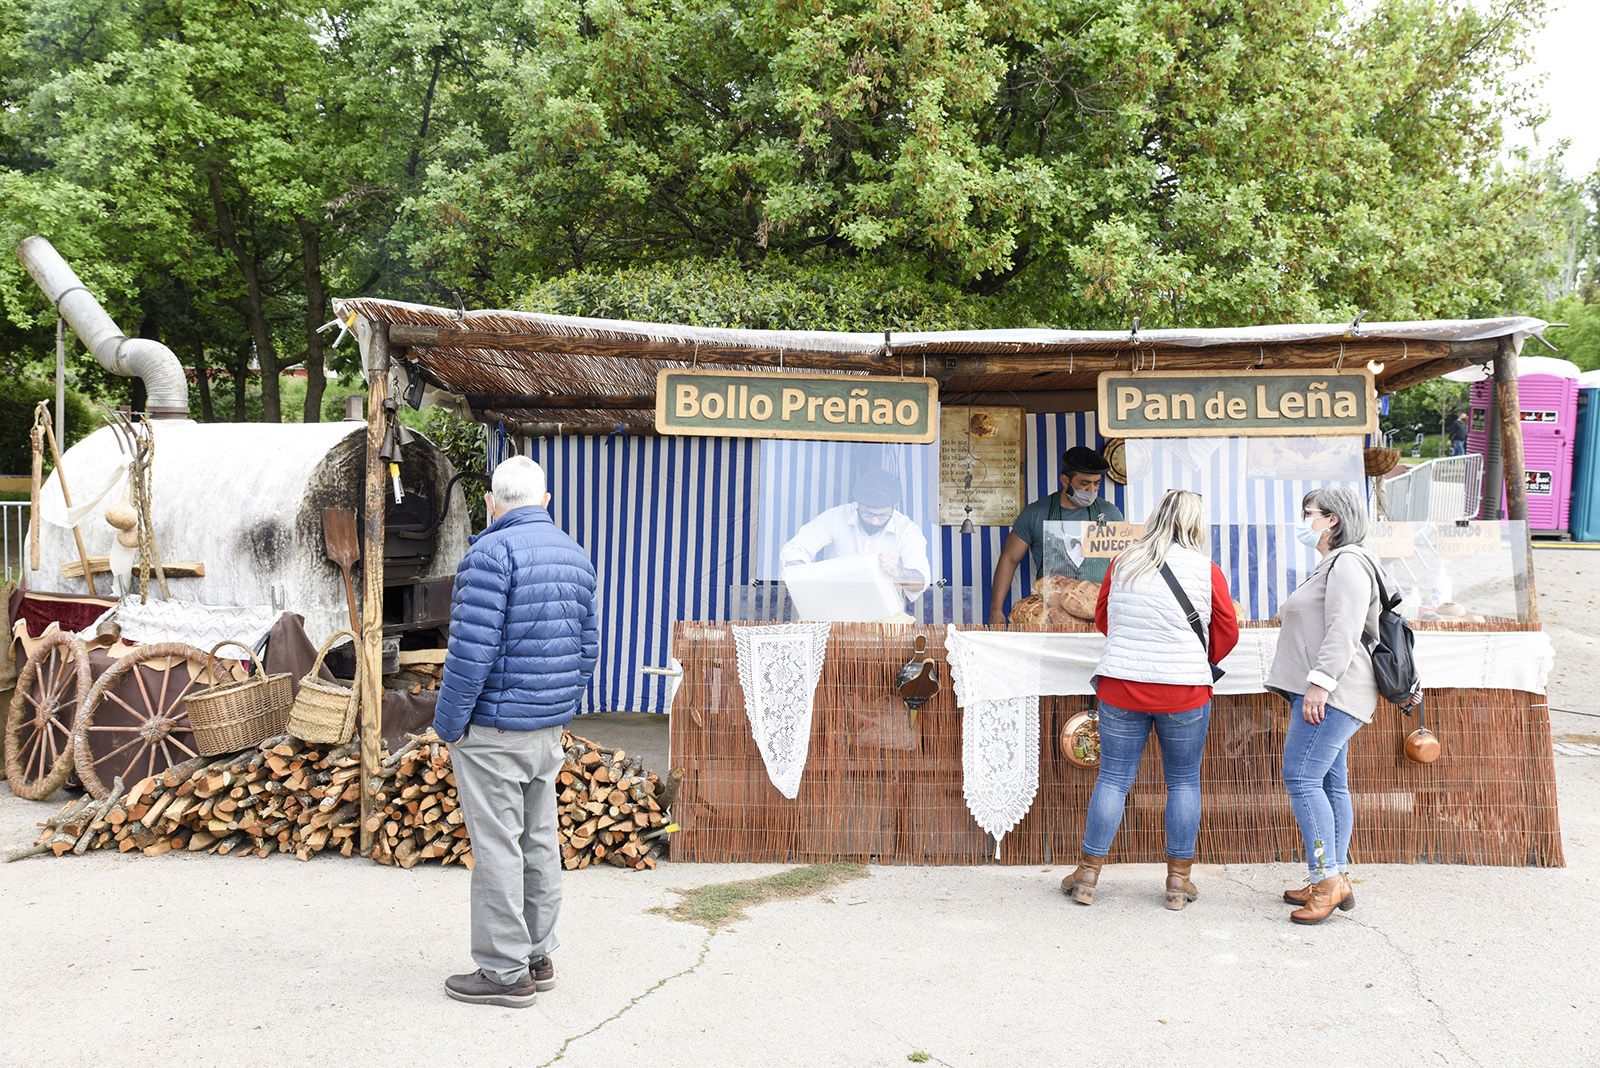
x=589, y=373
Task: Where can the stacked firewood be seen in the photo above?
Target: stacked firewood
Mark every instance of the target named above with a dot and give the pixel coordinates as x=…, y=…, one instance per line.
x=610, y=808
x=294, y=797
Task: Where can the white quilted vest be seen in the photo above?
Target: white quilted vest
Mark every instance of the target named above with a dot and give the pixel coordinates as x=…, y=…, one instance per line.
x=1149, y=637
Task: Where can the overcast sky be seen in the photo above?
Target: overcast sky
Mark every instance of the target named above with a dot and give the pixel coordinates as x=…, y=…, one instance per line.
x=1567, y=51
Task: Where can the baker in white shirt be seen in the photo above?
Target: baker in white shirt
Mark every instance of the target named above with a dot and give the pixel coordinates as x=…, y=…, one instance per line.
x=871, y=523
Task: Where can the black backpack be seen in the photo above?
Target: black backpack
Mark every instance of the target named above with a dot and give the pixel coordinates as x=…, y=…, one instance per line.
x=1393, y=664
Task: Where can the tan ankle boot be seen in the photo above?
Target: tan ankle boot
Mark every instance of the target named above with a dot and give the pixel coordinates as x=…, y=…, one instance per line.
x=1303, y=895
x=1080, y=885
x=1326, y=896
x=1180, y=891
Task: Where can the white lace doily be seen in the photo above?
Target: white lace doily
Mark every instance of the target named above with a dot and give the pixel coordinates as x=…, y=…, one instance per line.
x=1000, y=762
x=779, y=668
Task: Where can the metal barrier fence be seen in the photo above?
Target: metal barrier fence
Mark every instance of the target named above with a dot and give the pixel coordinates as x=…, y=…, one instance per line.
x=13, y=535
x=1437, y=491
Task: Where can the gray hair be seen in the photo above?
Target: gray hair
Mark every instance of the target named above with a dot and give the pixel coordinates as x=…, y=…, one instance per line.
x=518, y=482
x=1340, y=501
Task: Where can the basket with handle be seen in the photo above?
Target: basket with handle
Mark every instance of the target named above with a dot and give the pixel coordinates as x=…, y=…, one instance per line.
x=325, y=712
x=235, y=714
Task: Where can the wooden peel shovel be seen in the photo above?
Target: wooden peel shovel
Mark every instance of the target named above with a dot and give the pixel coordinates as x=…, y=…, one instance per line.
x=344, y=549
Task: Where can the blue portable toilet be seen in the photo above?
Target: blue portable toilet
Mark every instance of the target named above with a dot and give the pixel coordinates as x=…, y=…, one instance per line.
x=1584, y=517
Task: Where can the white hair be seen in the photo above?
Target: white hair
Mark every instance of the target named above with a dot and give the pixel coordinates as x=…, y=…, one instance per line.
x=518, y=482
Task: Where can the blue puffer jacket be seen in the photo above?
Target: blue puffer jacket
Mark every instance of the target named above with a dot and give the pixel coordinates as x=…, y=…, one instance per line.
x=524, y=634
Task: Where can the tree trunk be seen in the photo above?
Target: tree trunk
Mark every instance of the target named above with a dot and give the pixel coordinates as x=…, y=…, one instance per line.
x=241, y=375
x=202, y=382
x=255, y=304
x=316, y=308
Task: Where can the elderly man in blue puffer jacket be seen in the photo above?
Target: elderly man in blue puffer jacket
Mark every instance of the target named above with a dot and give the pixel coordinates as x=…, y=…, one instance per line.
x=524, y=639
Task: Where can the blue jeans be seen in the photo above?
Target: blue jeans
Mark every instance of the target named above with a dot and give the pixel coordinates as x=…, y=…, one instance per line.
x=1123, y=734
x=1316, y=774
x=1458, y=448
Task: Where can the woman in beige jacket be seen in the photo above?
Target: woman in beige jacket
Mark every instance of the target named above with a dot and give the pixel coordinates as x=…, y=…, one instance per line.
x=1322, y=667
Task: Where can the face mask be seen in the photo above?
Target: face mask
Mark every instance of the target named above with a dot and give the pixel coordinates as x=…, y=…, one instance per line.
x=1306, y=534
x=1082, y=498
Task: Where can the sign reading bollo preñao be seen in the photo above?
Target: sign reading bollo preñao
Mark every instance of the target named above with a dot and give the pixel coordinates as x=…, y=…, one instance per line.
x=1170, y=404
x=754, y=404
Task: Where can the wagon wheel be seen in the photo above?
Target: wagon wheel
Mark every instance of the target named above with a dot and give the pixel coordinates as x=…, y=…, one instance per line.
x=134, y=722
x=39, y=723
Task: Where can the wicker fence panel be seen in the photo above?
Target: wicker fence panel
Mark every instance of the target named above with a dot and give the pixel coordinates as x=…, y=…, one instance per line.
x=877, y=788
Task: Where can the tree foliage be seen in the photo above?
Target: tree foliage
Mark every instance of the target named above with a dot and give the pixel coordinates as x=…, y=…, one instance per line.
x=218, y=172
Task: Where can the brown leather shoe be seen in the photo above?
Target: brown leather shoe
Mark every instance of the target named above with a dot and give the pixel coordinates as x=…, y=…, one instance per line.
x=1326, y=896
x=1180, y=891
x=1302, y=895
x=543, y=972
x=1080, y=885
x=476, y=988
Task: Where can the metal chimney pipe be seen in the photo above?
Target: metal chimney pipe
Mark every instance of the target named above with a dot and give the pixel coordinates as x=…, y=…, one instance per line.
x=166, y=388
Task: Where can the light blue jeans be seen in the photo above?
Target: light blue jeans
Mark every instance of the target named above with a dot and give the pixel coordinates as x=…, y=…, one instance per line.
x=1123, y=735
x=1316, y=774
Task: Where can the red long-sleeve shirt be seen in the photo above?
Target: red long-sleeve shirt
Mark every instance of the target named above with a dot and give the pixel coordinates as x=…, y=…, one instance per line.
x=1163, y=697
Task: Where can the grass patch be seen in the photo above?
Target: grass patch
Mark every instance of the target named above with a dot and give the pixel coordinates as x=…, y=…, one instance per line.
x=718, y=904
x=919, y=1057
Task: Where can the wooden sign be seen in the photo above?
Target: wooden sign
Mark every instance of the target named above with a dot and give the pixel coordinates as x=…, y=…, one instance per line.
x=755, y=404
x=980, y=465
x=1172, y=404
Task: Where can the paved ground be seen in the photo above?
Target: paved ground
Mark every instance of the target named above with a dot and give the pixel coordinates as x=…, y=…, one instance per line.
x=219, y=961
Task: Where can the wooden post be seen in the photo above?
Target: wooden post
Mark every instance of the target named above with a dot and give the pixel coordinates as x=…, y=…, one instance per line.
x=1508, y=401
x=1508, y=405
x=372, y=580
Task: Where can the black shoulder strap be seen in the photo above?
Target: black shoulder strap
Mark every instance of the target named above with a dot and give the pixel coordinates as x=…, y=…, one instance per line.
x=1188, y=609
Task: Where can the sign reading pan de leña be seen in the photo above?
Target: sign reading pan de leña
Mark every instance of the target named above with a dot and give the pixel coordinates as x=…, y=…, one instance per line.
x=1171, y=404
x=754, y=404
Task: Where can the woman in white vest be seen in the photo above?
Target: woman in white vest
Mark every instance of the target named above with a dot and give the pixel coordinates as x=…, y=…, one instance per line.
x=1155, y=674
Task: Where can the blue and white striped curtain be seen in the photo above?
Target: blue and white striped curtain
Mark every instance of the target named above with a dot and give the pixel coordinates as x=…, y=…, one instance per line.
x=675, y=524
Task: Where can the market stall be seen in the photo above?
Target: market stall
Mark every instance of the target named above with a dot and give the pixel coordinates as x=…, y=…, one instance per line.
x=698, y=466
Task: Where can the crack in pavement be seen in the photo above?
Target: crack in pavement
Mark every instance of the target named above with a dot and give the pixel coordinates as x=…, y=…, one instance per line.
x=1416, y=983
x=705, y=948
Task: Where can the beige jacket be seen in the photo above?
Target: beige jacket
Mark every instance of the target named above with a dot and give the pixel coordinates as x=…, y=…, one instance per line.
x=1319, y=642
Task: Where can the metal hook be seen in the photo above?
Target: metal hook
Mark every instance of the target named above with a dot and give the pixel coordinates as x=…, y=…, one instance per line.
x=1405, y=350
x=696, y=362
x=1261, y=357
x=1355, y=324
x=1340, y=365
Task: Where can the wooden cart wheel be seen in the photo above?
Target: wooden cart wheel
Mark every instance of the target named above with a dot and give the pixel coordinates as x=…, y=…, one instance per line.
x=43, y=711
x=133, y=722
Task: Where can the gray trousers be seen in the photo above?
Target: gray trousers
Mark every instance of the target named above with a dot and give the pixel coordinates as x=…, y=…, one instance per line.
x=507, y=784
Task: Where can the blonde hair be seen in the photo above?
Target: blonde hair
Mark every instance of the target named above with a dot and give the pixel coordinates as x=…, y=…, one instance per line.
x=1178, y=520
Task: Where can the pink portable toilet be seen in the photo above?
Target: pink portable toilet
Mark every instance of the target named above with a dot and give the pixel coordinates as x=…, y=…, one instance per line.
x=1549, y=391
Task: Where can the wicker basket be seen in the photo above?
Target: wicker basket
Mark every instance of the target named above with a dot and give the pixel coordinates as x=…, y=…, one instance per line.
x=231, y=715
x=325, y=712
x=1380, y=461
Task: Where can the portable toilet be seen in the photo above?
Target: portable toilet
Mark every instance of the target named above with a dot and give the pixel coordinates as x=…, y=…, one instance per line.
x=1548, y=388
x=1585, y=513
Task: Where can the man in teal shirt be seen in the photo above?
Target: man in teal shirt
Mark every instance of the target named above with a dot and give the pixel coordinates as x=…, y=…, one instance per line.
x=1078, y=501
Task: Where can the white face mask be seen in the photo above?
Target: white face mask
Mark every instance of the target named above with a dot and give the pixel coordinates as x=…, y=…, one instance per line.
x=1082, y=498
x=1306, y=534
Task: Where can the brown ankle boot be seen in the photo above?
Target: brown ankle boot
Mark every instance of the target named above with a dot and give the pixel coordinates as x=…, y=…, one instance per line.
x=1302, y=895
x=1326, y=896
x=1080, y=885
x=1180, y=891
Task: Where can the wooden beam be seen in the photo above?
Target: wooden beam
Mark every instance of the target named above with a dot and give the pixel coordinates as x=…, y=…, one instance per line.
x=561, y=401
x=1415, y=373
x=585, y=428
x=435, y=337
x=1508, y=402
x=370, y=655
